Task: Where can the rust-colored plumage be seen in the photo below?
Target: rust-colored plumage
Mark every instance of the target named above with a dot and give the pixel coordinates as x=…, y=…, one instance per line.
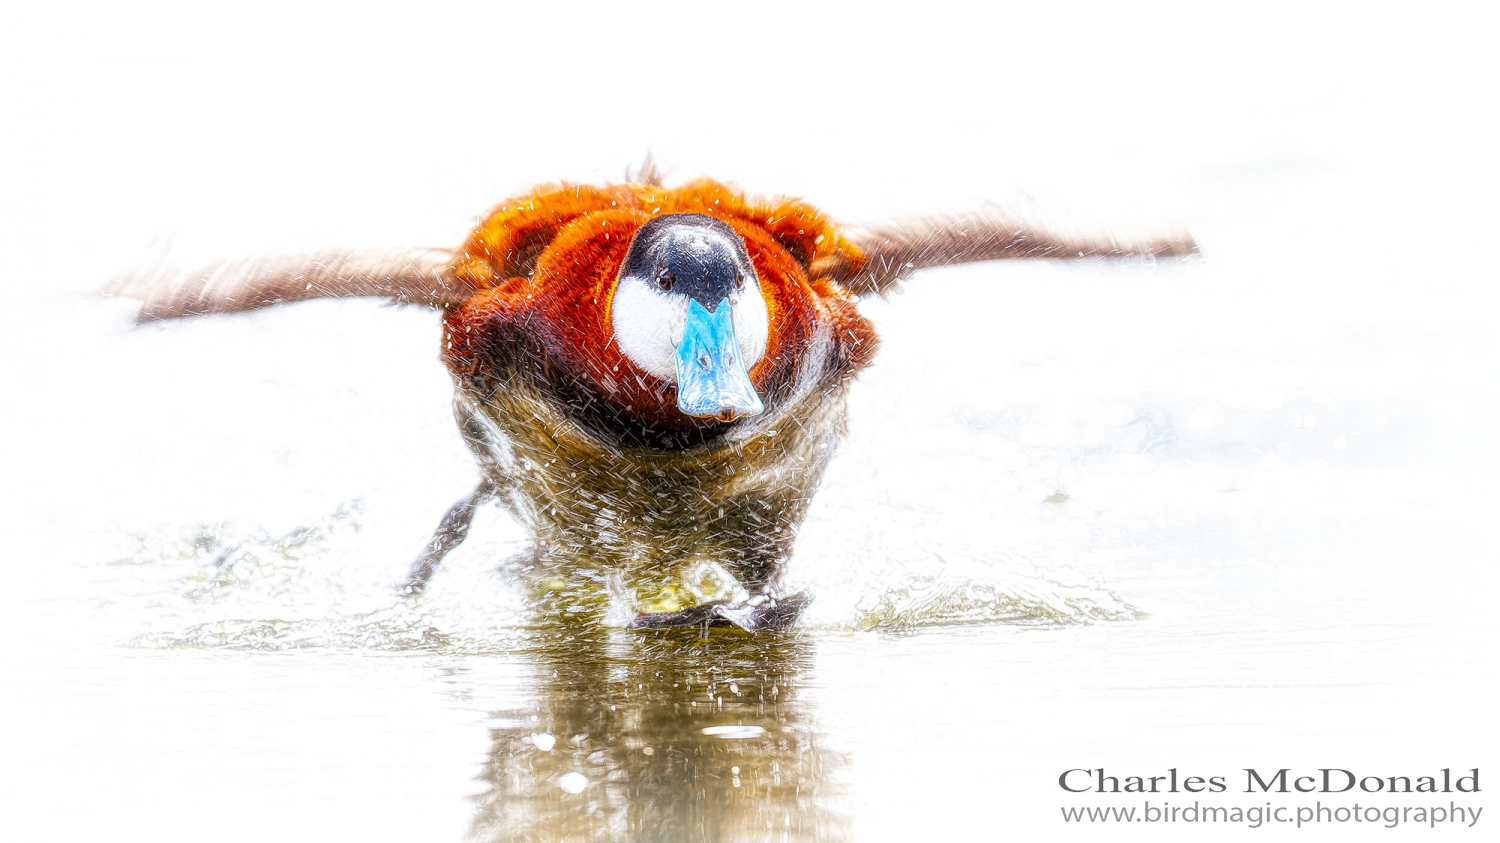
x=544, y=267
x=595, y=336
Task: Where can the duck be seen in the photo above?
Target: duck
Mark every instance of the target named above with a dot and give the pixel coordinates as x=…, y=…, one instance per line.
x=652, y=379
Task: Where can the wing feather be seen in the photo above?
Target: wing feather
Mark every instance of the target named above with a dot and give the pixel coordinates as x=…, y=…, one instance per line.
x=414, y=276
x=897, y=248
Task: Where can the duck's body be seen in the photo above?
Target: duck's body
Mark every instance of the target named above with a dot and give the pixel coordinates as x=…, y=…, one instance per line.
x=652, y=380
x=592, y=451
x=734, y=502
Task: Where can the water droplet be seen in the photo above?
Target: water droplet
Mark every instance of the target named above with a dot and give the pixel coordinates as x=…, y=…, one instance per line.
x=736, y=732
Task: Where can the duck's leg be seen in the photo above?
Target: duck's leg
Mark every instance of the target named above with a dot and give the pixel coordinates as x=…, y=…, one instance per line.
x=770, y=606
x=780, y=612
x=702, y=615
x=449, y=534
x=758, y=613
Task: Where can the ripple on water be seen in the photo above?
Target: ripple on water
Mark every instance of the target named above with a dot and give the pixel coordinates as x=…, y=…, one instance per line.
x=325, y=585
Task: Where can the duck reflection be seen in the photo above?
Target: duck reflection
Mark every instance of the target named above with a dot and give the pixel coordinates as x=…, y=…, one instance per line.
x=680, y=734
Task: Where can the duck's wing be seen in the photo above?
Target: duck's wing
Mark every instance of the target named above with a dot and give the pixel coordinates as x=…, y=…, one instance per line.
x=413, y=276
x=897, y=248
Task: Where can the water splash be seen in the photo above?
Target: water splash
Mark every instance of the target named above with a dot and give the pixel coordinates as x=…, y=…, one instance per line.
x=924, y=601
x=327, y=585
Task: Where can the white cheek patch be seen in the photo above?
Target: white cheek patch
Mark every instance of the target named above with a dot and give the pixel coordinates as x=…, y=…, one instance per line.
x=752, y=323
x=648, y=325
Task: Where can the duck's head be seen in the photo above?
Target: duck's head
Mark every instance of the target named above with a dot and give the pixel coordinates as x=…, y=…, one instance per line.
x=687, y=308
x=651, y=316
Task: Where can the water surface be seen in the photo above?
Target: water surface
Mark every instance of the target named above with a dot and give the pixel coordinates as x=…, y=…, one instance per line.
x=1225, y=514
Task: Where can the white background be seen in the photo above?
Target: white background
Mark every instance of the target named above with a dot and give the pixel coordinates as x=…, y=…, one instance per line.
x=1335, y=162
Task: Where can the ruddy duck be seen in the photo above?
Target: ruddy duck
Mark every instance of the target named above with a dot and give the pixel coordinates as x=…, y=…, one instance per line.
x=652, y=378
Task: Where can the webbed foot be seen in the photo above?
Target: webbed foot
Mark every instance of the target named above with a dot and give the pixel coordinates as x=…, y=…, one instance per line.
x=753, y=615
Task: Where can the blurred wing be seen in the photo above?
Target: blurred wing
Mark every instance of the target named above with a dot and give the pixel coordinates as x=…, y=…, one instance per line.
x=416, y=276
x=895, y=249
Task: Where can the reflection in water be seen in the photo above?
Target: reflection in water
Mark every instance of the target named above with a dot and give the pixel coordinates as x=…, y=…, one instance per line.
x=625, y=741
x=666, y=735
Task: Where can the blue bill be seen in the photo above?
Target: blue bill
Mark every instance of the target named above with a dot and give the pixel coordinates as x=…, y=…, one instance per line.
x=711, y=378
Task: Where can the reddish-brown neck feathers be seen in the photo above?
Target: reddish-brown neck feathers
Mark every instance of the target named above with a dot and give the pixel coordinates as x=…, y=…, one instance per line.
x=546, y=265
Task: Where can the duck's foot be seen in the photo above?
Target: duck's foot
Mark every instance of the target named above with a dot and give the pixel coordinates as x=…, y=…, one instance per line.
x=757, y=613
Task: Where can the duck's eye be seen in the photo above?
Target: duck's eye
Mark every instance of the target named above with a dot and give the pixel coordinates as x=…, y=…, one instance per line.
x=739, y=281
x=664, y=279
